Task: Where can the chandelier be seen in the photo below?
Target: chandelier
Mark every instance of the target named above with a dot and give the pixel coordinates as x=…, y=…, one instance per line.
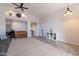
x=68, y=11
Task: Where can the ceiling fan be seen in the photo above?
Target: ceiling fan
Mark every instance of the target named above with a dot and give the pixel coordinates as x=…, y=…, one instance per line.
x=20, y=6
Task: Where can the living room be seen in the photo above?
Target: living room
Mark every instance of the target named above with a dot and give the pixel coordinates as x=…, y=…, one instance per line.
x=37, y=26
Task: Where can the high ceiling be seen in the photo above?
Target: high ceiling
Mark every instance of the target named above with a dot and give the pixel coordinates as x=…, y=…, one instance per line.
x=38, y=9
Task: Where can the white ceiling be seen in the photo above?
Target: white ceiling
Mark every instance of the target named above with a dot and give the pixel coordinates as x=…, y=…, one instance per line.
x=38, y=9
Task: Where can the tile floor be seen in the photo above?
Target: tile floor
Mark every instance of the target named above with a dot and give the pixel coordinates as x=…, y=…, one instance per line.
x=36, y=47
x=71, y=48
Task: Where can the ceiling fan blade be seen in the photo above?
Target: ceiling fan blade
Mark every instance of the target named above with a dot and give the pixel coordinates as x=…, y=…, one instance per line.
x=16, y=7
x=24, y=8
x=21, y=5
x=15, y=4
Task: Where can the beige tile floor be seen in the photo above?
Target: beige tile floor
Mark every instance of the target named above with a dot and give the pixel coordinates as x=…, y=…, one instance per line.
x=36, y=47
x=71, y=48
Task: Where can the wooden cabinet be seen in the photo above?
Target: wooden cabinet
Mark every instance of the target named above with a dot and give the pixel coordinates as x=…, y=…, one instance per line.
x=20, y=34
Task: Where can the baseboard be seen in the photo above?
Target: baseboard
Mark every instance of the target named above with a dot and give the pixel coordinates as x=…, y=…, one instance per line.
x=63, y=41
x=68, y=42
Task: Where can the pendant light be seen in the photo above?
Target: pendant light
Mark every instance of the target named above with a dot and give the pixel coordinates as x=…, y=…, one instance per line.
x=68, y=12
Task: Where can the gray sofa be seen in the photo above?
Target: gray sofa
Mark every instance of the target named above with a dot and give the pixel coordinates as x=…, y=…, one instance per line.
x=4, y=44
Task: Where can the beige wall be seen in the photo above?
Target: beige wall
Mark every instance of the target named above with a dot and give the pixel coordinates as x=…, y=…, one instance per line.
x=71, y=30
x=67, y=30
x=65, y=27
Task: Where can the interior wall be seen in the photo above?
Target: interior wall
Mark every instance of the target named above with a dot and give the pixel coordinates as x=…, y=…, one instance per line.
x=2, y=24
x=28, y=19
x=19, y=26
x=65, y=27
x=32, y=19
x=71, y=30
x=67, y=30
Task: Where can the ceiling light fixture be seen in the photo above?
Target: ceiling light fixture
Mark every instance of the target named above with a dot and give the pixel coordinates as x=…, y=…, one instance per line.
x=68, y=12
x=10, y=12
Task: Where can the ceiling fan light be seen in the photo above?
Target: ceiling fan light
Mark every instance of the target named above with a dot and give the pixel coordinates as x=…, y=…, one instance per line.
x=65, y=14
x=68, y=12
x=67, y=9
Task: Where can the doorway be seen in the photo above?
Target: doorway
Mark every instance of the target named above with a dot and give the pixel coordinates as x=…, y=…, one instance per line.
x=33, y=28
x=8, y=25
